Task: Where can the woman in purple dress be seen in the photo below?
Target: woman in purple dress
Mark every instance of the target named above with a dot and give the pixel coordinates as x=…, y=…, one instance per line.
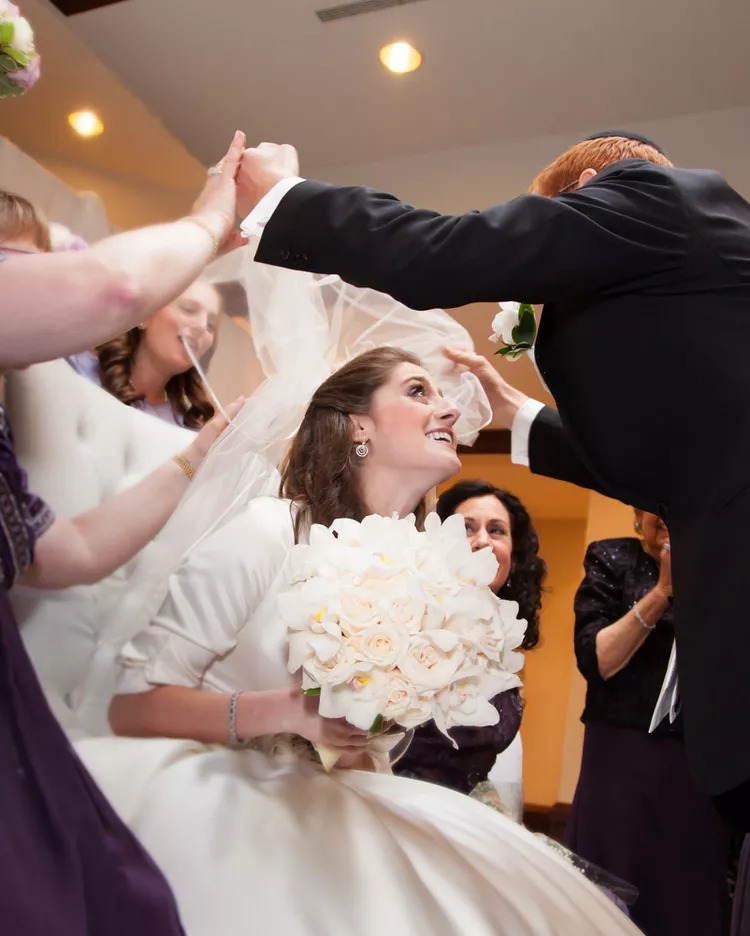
x=497, y=519
x=636, y=811
x=69, y=865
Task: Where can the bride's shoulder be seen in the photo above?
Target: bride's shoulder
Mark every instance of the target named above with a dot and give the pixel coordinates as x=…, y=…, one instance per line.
x=259, y=535
x=268, y=517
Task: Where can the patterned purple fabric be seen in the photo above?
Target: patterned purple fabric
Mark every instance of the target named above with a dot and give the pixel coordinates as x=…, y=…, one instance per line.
x=69, y=865
x=432, y=757
x=23, y=517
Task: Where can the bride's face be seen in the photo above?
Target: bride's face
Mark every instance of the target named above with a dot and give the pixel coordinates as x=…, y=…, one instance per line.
x=410, y=427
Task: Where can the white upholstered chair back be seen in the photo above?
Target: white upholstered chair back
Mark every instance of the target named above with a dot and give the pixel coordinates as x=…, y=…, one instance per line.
x=79, y=446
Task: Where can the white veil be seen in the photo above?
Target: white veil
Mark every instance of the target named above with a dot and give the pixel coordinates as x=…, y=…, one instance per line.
x=303, y=327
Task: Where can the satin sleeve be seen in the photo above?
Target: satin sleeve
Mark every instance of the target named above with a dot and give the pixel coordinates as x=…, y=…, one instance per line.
x=211, y=597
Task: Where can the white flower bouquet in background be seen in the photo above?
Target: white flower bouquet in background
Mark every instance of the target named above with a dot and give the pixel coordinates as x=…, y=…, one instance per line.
x=19, y=62
x=390, y=624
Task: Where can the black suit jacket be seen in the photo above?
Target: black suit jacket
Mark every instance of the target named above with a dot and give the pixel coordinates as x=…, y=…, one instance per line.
x=644, y=343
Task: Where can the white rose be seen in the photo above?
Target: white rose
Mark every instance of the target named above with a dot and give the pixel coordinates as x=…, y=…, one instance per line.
x=23, y=35
x=425, y=665
x=407, y=610
x=400, y=698
x=505, y=321
x=382, y=644
x=358, y=610
x=9, y=10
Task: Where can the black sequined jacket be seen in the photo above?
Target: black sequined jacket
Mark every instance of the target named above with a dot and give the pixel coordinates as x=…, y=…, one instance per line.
x=618, y=573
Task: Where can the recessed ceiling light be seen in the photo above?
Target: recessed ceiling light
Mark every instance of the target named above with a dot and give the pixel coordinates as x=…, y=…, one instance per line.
x=86, y=123
x=400, y=57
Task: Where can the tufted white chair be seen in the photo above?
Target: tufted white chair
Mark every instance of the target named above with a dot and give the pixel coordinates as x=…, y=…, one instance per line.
x=79, y=446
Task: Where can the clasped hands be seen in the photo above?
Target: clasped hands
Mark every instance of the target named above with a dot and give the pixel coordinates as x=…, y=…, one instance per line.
x=236, y=184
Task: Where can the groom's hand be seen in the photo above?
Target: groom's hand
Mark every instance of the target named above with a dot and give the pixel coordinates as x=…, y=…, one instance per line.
x=504, y=399
x=261, y=168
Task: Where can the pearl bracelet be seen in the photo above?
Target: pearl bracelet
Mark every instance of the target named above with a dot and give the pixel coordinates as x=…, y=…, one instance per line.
x=234, y=740
x=641, y=619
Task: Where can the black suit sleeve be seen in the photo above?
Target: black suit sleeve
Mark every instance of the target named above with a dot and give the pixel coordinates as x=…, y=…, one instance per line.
x=626, y=224
x=552, y=453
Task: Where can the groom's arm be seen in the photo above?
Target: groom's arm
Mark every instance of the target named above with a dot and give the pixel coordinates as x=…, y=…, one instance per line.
x=539, y=440
x=626, y=223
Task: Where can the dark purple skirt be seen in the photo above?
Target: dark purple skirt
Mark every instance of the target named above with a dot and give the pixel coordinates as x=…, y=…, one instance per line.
x=637, y=814
x=68, y=865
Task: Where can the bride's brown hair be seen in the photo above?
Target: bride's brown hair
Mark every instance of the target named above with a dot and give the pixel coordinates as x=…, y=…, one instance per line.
x=320, y=474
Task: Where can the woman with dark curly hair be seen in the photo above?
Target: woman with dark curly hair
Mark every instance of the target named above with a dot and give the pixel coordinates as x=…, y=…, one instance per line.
x=497, y=519
x=148, y=366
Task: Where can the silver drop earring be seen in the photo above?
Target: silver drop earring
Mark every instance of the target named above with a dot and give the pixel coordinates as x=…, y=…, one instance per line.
x=361, y=451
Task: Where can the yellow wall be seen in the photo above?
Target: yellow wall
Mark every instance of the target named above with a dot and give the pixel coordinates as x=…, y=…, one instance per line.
x=547, y=673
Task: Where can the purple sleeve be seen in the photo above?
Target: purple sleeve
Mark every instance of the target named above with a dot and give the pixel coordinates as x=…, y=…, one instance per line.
x=24, y=517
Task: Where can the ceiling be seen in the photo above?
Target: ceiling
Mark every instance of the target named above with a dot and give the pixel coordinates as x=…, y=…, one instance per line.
x=135, y=142
x=493, y=69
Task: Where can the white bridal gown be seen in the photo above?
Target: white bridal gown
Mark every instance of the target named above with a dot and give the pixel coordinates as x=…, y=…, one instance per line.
x=261, y=842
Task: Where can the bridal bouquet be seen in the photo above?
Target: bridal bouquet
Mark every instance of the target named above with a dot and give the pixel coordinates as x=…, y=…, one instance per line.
x=392, y=624
x=515, y=324
x=19, y=62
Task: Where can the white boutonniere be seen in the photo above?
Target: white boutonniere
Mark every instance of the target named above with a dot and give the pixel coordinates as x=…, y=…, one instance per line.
x=515, y=325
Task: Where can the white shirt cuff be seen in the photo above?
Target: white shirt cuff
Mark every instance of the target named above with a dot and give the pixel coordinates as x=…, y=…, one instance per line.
x=521, y=429
x=254, y=224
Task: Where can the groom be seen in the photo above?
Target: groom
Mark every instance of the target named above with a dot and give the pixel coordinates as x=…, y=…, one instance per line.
x=644, y=272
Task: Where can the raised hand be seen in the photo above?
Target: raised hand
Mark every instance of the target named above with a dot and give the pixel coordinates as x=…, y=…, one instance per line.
x=664, y=585
x=504, y=398
x=261, y=168
x=197, y=450
x=216, y=206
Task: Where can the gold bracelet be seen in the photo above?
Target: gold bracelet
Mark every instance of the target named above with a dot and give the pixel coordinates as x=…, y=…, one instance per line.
x=185, y=465
x=205, y=227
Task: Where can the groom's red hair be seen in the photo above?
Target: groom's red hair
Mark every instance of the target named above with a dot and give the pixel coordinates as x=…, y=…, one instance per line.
x=592, y=154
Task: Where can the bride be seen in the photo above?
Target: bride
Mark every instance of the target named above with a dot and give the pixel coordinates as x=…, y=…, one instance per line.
x=211, y=767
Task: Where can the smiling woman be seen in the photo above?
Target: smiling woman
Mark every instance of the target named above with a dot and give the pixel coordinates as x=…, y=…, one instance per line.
x=378, y=416
x=149, y=367
x=496, y=519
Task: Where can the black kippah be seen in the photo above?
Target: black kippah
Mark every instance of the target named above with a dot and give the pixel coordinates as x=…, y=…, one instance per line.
x=628, y=136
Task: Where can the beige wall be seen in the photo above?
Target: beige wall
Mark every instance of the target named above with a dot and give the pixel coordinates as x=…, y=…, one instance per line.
x=129, y=202
x=478, y=176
